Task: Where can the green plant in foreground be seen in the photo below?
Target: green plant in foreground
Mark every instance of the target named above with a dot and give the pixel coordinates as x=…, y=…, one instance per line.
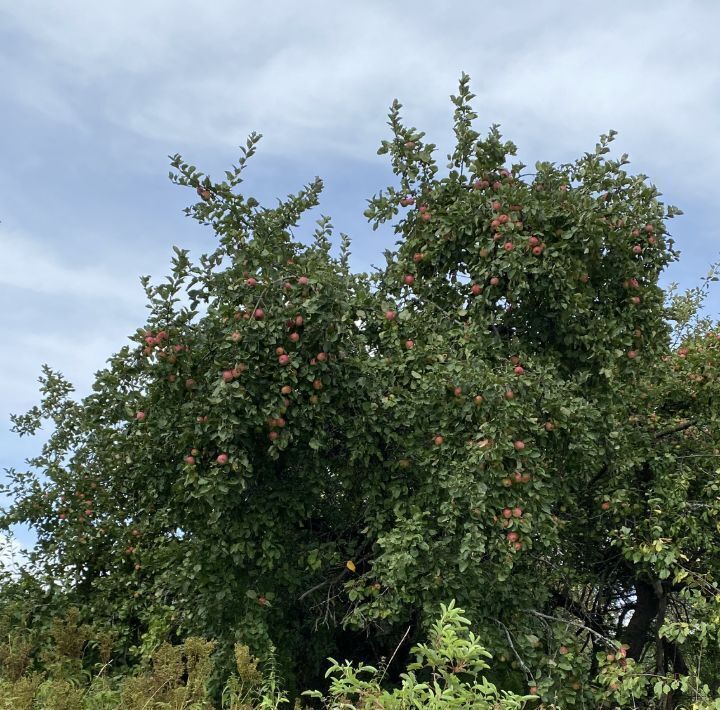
x=445, y=674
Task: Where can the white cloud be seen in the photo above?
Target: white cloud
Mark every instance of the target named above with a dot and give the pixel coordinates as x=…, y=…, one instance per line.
x=31, y=265
x=67, y=315
x=320, y=76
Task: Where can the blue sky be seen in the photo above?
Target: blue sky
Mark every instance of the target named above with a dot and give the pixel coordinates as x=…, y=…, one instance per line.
x=95, y=95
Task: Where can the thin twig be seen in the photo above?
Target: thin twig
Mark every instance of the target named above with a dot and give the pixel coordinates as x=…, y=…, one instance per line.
x=397, y=648
x=597, y=634
x=528, y=672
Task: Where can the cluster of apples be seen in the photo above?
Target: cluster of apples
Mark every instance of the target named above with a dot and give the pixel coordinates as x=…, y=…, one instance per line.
x=503, y=223
x=157, y=344
x=493, y=180
x=84, y=503
x=637, y=233
x=423, y=209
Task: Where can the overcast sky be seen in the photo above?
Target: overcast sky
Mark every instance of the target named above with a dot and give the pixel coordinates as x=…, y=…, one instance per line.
x=95, y=95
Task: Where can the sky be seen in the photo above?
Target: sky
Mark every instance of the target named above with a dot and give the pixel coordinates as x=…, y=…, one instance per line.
x=95, y=95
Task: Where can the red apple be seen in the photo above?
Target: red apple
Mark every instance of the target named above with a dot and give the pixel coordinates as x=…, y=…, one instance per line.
x=496, y=206
x=563, y=650
x=538, y=250
x=519, y=445
x=294, y=337
x=478, y=399
x=286, y=389
x=438, y=440
x=190, y=460
x=476, y=289
x=605, y=505
x=409, y=344
x=637, y=249
x=426, y=216
x=140, y=416
x=519, y=370
x=509, y=394
x=284, y=359
x=273, y=435
x=507, y=513
x=303, y=280
x=632, y=354
x=228, y=376
x=390, y=315
x=417, y=258
x=635, y=300
x=222, y=459
x=322, y=357
x=259, y=314
x=508, y=246
x=409, y=279
x=457, y=391
x=513, y=537
x=494, y=281
x=517, y=512
x=584, y=278
x=317, y=384
x=251, y=281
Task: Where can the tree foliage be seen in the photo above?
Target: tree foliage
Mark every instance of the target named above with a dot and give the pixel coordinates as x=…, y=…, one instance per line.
x=511, y=413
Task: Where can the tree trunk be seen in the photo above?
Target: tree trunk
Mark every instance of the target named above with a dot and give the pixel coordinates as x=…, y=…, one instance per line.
x=637, y=632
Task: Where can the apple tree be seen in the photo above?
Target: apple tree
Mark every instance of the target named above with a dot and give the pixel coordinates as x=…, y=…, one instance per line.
x=511, y=413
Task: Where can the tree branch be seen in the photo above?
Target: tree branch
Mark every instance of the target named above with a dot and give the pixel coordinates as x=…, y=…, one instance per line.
x=674, y=430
